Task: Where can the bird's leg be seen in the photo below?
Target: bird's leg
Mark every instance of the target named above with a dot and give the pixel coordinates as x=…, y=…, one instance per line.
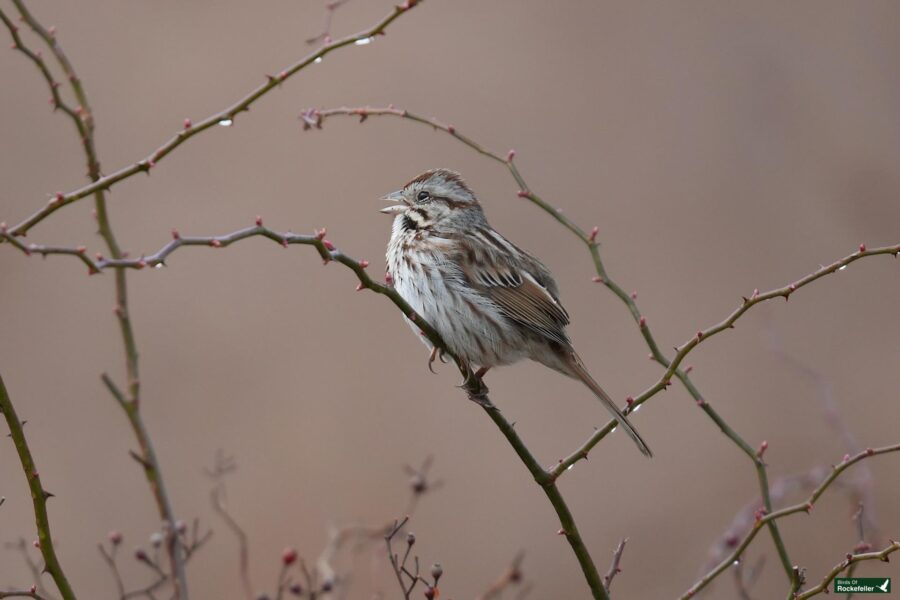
x=481, y=372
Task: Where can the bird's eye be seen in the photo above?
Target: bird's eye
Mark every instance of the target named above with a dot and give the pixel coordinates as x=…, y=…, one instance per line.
x=423, y=196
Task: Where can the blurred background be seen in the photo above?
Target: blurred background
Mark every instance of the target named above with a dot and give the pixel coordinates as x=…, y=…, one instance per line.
x=718, y=146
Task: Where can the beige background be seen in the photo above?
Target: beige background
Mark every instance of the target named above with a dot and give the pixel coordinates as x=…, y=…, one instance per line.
x=719, y=146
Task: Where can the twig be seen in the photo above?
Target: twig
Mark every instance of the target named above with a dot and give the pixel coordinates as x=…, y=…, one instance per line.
x=222, y=466
x=226, y=116
x=34, y=567
x=805, y=507
x=22, y=594
x=511, y=576
x=396, y=565
x=109, y=557
x=742, y=581
x=851, y=559
x=401, y=570
x=325, y=34
x=38, y=496
x=614, y=565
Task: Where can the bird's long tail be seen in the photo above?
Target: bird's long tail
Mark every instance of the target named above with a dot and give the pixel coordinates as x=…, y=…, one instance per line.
x=579, y=371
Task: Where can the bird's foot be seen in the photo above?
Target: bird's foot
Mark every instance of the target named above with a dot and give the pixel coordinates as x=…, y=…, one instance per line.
x=436, y=353
x=476, y=389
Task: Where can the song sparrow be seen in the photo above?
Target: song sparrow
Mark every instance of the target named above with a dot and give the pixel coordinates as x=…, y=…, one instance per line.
x=492, y=303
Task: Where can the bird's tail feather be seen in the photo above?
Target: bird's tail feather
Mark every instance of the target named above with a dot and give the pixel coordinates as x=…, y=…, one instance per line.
x=581, y=373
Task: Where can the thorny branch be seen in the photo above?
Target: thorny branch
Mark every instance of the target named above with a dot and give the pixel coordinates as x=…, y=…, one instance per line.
x=83, y=119
x=851, y=559
x=313, y=118
x=223, y=117
x=805, y=507
x=39, y=496
x=475, y=389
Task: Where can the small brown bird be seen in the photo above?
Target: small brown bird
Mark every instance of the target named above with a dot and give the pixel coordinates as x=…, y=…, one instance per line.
x=492, y=303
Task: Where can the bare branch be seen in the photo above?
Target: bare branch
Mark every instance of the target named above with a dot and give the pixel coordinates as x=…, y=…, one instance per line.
x=510, y=577
x=614, y=565
x=805, y=507
x=325, y=34
x=38, y=496
x=222, y=466
x=851, y=559
x=223, y=117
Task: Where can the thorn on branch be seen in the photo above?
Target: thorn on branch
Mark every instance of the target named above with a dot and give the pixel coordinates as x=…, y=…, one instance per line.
x=140, y=460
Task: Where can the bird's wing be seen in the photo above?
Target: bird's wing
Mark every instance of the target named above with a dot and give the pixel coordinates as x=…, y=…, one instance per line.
x=523, y=290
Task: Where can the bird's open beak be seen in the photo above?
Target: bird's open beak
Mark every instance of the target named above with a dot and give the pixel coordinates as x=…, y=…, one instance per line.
x=396, y=208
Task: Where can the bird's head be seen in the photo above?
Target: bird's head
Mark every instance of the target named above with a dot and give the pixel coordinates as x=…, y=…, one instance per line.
x=436, y=198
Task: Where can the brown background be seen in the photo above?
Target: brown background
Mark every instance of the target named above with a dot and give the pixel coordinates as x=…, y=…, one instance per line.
x=719, y=146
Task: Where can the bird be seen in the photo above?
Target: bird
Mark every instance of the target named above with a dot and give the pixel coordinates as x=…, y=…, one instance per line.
x=492, y=303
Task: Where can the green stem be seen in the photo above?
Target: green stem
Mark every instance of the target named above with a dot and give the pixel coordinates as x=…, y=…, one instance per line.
x=38, y=494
